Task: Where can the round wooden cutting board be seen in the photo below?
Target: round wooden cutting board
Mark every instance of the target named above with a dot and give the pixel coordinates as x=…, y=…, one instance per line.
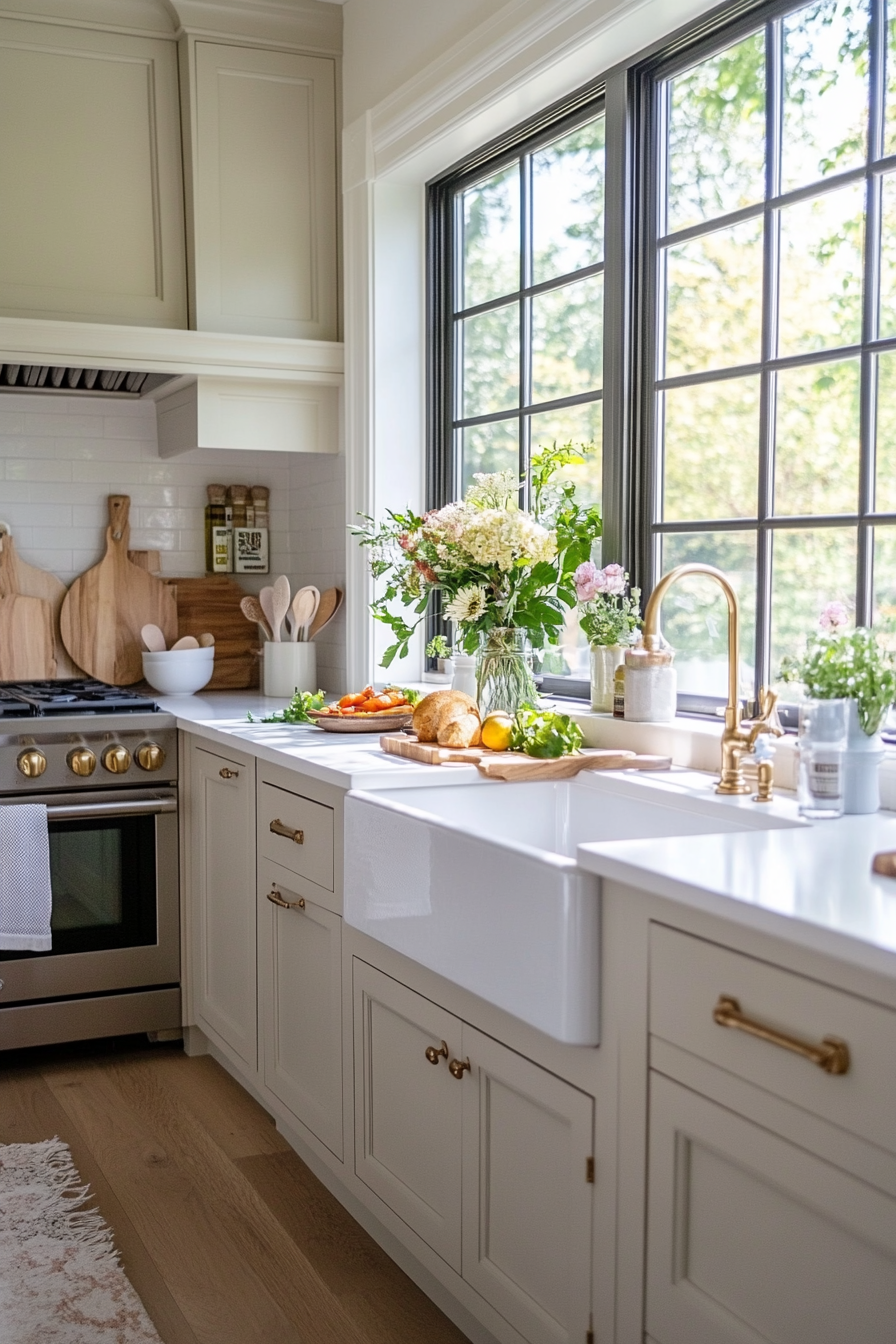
x=19, y=579
x=106, y=608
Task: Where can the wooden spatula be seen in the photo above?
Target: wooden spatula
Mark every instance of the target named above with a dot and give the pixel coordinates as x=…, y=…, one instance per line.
x=330, y=602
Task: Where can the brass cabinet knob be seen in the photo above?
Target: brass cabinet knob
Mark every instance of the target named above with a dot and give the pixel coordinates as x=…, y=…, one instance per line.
x=458, y=1067
x=150, y=756
x=434, y=1055
x=116, y=760
x=228, y=774
x=32, y=763
x=81, y=761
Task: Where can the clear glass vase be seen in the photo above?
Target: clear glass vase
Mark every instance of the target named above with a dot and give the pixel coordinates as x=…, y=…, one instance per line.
x=503, y=671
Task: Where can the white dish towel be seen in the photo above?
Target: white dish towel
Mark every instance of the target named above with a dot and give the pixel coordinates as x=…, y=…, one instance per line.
x=26, y=898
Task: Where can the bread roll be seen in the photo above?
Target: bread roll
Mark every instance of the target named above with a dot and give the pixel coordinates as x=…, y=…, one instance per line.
x=462, y=732
x=437, y=710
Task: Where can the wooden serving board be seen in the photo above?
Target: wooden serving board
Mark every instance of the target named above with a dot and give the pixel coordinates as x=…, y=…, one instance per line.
x=26, y=639
x=19, y=579
x=513, y=765
x=212, y=605
x=106, y=608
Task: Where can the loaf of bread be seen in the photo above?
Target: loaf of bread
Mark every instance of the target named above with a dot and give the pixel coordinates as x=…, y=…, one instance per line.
x=450, y=718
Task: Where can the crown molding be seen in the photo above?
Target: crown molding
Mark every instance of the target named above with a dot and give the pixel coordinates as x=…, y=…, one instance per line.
x=314, y=25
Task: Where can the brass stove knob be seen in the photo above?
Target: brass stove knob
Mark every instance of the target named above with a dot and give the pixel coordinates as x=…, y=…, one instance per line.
x=150, y=756
x=32, y=763
x=82, y=761
x=116, y=760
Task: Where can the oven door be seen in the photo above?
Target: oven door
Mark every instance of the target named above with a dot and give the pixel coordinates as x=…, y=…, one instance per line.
x=114, y=875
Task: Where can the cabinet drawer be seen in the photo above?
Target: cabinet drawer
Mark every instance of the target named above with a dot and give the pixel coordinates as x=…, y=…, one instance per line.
x=311, y=856
x=687, y=978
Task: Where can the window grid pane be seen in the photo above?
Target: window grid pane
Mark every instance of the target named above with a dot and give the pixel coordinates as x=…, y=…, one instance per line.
x=820, y=283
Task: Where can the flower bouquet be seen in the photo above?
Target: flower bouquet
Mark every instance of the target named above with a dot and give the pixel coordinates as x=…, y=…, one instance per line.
x=846, y=664
x=505, y=573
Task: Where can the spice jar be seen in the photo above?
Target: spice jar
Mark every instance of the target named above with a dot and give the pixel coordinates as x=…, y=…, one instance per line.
x=650, y=686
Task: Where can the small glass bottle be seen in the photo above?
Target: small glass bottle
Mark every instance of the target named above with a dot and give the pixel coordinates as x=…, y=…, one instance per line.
x=619, y=692
x=650, y=686
x=215, y=523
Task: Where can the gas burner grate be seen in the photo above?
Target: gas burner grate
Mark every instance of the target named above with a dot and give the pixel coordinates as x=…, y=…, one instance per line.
x=82, y=695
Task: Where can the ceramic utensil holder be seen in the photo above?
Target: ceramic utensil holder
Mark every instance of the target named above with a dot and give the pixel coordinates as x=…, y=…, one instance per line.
x=289, y=667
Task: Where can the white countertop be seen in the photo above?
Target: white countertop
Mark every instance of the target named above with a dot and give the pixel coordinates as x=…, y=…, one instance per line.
x=812, y=885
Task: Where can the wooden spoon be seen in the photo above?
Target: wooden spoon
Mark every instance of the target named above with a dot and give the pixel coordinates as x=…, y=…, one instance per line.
x=280, y=604
x=185, y=642
x=251, y=609
x=206, y=641
x=304, y=609
x=153, y=638
x=330, y=602
x=266, y=598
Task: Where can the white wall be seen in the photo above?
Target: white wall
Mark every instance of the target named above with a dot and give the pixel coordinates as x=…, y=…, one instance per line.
x=61, y=456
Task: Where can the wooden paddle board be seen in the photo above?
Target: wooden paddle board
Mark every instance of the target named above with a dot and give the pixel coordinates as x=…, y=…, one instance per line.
x=26, y=639
x=212, y=605
x=18, y=578
x=106, y=608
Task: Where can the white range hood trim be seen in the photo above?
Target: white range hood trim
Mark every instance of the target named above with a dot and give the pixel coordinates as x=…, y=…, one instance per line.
x=97, y=345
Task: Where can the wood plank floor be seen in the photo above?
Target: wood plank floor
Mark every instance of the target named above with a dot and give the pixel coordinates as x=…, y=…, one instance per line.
x=224, y=1232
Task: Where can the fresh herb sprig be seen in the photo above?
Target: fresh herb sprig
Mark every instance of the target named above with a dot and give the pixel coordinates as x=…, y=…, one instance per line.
x=544, y=733
x=297, y=709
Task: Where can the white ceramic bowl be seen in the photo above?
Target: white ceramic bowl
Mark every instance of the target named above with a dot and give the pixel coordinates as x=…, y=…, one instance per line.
x=179, y=671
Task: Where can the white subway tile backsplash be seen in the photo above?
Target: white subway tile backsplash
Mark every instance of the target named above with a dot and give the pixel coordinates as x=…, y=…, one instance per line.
x=69, y=426
x=38, y=469
x=113, y=478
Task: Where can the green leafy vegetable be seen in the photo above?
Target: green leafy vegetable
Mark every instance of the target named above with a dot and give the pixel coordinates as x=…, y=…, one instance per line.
x=297, y=709
x=544, y=733
x=413, y=697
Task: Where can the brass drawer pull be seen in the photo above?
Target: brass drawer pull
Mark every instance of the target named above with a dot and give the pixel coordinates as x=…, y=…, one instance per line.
x=276, y=899
x=832, y=1055
x=297, y=837
x=229, y=774
x=458, y=1067
x=434, y=1055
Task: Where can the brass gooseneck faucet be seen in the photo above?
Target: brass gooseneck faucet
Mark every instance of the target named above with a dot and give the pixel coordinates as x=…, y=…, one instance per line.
x=738, y=738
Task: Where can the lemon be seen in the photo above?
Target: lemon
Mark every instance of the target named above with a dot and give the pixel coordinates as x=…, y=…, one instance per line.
x=496, y=731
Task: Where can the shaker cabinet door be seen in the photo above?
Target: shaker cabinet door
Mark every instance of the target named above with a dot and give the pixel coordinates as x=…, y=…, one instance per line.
x=528, y=1145
x=300, y=979
x=407, y=1109
x=222, y=827
x=264, y=192
x=752, y=1239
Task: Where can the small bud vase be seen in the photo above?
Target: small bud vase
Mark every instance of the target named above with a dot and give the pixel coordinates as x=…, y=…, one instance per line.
x=605, y=658
x=503, y=671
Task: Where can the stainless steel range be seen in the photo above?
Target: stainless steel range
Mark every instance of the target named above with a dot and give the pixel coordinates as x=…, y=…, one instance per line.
x=104, y=760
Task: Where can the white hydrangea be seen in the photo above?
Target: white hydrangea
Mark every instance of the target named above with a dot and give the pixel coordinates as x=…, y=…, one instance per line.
x=506, y=538
x=494, y=490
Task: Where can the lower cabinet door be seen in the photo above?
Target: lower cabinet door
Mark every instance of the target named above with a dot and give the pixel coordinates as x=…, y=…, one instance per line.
x=300, y=983
x=752, y=1239
x=407, y=1108
x=528, y=1146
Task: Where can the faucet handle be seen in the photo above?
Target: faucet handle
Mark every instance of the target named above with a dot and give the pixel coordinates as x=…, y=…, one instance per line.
x=767, y=720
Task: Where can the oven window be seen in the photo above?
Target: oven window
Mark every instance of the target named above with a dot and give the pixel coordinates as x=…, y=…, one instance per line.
x=103, y=875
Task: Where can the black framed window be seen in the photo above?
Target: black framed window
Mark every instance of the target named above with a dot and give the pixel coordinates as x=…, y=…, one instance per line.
x=748, y=344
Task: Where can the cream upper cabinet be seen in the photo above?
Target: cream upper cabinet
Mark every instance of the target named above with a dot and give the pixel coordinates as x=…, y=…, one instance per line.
x=92, y=224
x=264, y=192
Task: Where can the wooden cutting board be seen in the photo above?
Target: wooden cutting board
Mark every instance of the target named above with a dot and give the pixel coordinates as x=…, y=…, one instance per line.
x=212, y=605
x=18, y=578
x=26, y=639
x=514, y=765
x=106, y=608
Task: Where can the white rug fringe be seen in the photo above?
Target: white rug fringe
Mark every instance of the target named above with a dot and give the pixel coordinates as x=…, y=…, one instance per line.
x=49, y=1164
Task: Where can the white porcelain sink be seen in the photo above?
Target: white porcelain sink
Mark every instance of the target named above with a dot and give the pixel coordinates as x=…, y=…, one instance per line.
x=478, y=882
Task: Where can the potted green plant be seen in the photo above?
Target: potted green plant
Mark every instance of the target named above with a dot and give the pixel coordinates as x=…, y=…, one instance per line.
x=840, y=663
x=610, y=620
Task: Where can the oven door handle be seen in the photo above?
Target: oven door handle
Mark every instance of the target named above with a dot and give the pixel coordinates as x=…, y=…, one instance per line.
x=139, y=807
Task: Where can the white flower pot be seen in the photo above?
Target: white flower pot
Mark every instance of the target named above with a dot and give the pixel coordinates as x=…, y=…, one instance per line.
x=861, y=764
x=605, y=658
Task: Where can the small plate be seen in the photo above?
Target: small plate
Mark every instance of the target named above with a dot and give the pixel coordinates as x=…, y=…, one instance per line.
x=373, y=723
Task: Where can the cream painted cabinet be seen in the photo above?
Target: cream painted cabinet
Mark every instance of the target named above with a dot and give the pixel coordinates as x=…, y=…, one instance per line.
x=300, y=991
x=771, y=1180
x=263, y=187
x=92, y=224
x=485, y=1155
x=222, y=867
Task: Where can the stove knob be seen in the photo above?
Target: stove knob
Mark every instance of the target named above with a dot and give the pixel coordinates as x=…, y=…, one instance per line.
x=32, y=763
x=81, y=762
x=116, y=760
x=150, y=756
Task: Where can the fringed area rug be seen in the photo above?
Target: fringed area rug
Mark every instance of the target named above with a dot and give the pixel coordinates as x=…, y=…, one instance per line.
x=60, y=1280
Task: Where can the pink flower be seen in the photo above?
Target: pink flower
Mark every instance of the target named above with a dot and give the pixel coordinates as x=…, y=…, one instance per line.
x=427, y=571
x=613, y=580
x=407, y=543
x=833, y=617
x=586, y=581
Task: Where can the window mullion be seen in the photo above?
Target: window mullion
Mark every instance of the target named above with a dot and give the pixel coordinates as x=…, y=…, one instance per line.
x=525, y=437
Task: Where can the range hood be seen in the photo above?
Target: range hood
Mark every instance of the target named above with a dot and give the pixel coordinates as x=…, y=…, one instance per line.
x=131, y=384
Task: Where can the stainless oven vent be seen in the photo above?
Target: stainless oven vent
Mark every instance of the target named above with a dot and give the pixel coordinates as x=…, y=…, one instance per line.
x=93, y=382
